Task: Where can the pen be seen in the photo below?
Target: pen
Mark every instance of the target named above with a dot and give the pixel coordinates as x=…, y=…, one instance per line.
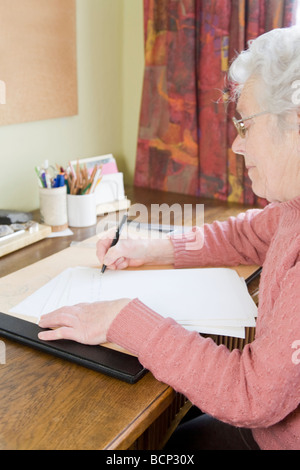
x=116, y=238
x=41, y=182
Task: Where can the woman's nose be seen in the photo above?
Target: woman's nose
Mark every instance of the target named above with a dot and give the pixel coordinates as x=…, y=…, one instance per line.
x=238, y=145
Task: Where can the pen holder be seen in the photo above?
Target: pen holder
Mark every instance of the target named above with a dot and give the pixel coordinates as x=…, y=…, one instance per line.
x=53, y=207
x=81, y=210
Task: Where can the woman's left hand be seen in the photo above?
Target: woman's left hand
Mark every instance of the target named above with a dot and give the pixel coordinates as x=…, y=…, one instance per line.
x=86, y=323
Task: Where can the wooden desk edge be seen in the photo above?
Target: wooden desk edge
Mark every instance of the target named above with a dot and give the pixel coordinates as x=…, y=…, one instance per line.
x=137, y=427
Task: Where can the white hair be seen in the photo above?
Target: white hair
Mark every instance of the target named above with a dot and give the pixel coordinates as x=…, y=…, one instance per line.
x=274, y=59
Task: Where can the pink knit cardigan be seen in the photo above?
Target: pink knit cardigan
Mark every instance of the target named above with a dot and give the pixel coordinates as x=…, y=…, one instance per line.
x=258, y=388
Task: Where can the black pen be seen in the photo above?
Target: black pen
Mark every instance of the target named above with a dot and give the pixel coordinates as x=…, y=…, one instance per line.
x=117, y=236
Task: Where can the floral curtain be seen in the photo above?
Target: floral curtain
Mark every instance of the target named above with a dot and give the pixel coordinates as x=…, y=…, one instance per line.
x=185, y=133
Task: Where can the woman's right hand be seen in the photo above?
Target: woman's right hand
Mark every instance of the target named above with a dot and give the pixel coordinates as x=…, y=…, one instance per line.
x=133, y=252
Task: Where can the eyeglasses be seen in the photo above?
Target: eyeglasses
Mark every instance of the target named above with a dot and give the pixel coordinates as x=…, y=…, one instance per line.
x=240, y=126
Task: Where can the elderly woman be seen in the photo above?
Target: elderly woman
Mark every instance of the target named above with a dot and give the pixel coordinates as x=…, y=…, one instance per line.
x=249, y=399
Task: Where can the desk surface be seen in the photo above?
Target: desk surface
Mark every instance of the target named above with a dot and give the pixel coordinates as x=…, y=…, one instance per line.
x=48, y=403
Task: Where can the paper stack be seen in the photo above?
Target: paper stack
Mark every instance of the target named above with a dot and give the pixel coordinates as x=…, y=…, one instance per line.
x=212, y=300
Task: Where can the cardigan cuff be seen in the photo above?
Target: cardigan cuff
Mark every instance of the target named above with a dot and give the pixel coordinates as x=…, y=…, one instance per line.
x=188, y=248
x=134, y=316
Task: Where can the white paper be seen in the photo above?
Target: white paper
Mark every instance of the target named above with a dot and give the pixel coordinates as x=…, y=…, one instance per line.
x=213, y=300
x=111, y=188
x=64, y=233
x=201, y=296
x=72, y=286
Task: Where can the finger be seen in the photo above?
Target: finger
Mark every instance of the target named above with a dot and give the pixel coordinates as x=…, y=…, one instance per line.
x=121, y=263
x=101, y=251
x=56, y=319
x=103, y=246
x=106, y=237
x=113, y=255
x=59, y=333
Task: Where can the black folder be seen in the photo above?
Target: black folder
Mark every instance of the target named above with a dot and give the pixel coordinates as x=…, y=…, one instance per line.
x=99, y=358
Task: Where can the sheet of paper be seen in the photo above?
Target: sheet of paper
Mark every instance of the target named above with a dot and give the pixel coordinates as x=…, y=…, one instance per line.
x=64, y=233
x=72, y=286
x=201, y=296
x=210, y=300
x=236, y=332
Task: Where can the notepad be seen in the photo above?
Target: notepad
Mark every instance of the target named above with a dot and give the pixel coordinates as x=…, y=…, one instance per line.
x=210, y=300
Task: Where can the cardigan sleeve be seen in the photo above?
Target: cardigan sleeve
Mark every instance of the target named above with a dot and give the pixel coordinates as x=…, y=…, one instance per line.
x=244, y=239
x=256, y=387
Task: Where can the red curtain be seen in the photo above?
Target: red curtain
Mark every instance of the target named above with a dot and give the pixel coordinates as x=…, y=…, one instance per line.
x=185, y=132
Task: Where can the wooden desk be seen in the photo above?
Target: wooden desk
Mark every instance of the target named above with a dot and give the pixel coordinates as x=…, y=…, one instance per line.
x=48, y=403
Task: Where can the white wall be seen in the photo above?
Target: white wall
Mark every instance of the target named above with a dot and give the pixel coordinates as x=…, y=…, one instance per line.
x=110, y=71
x=133, y=74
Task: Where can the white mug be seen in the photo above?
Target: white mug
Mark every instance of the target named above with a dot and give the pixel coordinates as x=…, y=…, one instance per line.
x=53, y=207
x=81, y=210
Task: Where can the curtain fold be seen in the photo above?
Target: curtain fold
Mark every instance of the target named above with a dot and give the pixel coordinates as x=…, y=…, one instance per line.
x=185, y=131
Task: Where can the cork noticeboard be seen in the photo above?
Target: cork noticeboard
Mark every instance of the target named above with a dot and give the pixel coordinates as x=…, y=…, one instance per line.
x=38, y=60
